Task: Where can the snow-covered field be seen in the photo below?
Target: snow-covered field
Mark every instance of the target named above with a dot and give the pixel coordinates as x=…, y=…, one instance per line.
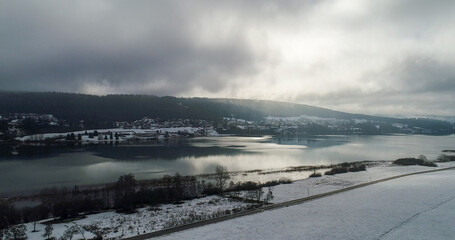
x=414, y=207
x=148, y=219
x=165, y=216
x=312, y=186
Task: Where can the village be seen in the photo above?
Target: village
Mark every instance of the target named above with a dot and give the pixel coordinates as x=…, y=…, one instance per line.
x=33, y=127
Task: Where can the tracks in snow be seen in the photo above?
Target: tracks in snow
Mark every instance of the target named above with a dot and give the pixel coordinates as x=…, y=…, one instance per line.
x=413, y=217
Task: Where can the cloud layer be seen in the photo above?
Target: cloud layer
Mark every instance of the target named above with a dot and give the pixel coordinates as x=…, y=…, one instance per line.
x=375, y=57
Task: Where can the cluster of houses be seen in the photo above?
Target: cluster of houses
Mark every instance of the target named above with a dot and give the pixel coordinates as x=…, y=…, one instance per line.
x=154, y=123
x=316, y=125
x=156, y=129
x=140, y=130
x=12, y=124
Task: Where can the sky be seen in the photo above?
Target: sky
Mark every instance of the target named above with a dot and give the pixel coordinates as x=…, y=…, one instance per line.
x=388, y=57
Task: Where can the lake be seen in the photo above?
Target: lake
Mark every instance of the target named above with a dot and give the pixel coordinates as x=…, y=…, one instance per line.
x=105, y=163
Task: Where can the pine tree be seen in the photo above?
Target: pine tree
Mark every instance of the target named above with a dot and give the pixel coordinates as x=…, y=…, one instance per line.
x=16, y=232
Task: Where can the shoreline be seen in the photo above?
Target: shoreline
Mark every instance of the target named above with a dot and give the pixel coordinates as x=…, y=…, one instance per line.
x=142, y=221
x=308, y=169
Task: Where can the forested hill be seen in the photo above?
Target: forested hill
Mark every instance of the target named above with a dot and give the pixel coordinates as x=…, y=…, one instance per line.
x=76, y=107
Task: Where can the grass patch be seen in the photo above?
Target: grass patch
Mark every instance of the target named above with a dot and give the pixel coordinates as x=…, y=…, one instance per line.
x=414, y=161
x=276, y=182
x=357, y=167
x=337, y=170
x=315, y=174
x=347, y=167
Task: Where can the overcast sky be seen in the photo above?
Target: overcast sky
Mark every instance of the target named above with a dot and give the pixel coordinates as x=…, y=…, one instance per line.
x=373, y=57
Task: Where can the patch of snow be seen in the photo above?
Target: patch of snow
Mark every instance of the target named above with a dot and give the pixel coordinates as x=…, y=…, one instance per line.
x=148, y=219
x=313, y=186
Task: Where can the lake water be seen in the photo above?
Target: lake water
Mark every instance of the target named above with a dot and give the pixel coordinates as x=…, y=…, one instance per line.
x=101, y=164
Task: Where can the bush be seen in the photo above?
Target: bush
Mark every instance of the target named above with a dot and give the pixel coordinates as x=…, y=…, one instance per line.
x=315, y=174
x=285, y=180
x=414, y=161
x=337, y=170
x=345, y=164
x=446, y=158
x=408, y=161
x=17, y=232
x=429, y=164
x=276, y=182
x=271, y=183
x=357, y=167
x=211, y=190
x=246, y=186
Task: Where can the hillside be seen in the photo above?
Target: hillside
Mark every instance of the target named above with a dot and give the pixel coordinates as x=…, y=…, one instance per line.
x=131, y=107
x=75, y=107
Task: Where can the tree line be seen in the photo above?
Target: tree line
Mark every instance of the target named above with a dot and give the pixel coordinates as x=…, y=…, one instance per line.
x=125, y=196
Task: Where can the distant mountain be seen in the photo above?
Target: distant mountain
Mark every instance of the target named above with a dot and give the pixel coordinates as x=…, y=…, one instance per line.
x=75, y=107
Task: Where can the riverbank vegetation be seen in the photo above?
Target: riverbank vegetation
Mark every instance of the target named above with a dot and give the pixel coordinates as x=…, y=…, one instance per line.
x=126, y=196
x=347, y=167
x=421, y=161
x=446, y=158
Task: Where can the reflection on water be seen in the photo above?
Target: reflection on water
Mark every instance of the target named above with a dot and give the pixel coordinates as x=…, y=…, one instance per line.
x=315, y=141
x=160, y=152
x=100, y=164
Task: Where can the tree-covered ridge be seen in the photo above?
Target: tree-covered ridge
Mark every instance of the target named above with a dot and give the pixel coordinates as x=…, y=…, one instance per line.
x=74, y=107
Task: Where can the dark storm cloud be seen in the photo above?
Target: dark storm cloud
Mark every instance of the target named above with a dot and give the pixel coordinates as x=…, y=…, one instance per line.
x=63, y=45
x=420, y=75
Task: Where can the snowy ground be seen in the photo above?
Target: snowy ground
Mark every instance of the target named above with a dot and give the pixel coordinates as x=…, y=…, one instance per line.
x=414, y=207
x=312, y=186
x=148, y=219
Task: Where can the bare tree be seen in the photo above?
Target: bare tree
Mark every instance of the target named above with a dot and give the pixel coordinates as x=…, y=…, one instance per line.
x=269, y=196
x=95, y=229
x=221, y=177
x=125, y=190
x=31, y=215
x=48, y=231
x=69, y=233
x=258, y=193
x=73, y=230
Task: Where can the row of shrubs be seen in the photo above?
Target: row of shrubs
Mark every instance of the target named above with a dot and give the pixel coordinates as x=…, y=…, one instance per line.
x=414, y=161
x=446, y=158
x=347, y=167
x=342, y=168
x=249, y=185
